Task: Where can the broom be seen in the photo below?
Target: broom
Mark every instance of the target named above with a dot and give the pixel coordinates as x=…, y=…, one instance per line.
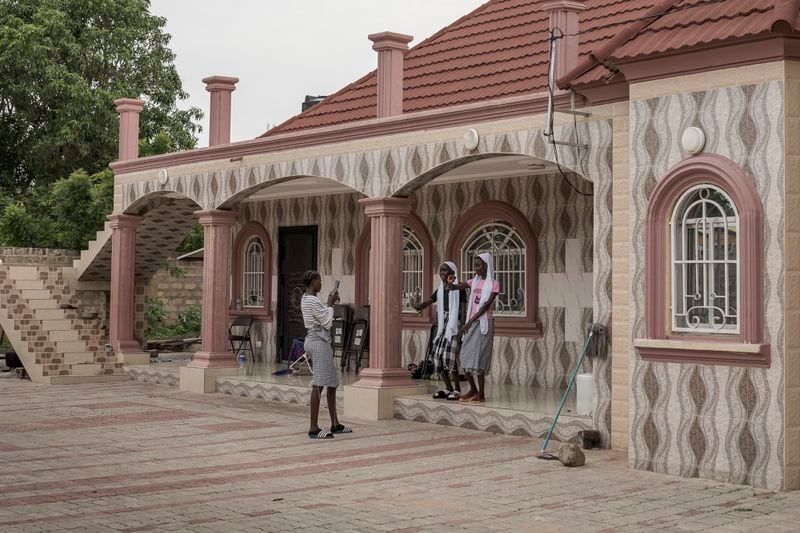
x=596, y=347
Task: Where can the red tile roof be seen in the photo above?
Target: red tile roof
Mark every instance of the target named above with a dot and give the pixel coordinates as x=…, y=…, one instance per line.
x=501, y=50
x=672, y=25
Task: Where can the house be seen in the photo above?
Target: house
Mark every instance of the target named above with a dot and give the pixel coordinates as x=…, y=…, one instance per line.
x=656, y=201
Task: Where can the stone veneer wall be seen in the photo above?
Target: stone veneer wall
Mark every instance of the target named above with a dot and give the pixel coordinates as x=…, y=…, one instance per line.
x=561, y=219
x=177, y=293
x=37, y=257
x=699, y=420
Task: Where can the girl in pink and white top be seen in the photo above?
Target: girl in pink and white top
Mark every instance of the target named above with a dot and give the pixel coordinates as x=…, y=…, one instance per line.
x=476, y=347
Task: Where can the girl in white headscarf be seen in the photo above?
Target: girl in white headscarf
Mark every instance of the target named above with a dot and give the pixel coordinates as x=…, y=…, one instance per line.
x=450, y=303
x=476, y=348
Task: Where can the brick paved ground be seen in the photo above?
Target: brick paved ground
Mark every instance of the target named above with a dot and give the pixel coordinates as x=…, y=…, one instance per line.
x=137, y=457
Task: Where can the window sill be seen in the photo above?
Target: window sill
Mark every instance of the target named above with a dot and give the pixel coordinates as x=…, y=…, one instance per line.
x=517, y=327
x=704, y=352
x=263, y=315
x=409, y=321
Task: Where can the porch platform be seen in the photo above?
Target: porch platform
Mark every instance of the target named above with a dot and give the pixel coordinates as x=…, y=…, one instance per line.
x=509, y=409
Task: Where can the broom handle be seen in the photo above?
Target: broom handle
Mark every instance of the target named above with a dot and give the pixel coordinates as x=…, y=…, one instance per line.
x=566, y=392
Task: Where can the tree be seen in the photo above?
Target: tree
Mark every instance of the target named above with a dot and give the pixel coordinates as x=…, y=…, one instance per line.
x=62, y=64
x=67, y=215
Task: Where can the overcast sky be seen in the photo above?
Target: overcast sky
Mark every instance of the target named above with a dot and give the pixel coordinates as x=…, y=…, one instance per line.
x=283, y=50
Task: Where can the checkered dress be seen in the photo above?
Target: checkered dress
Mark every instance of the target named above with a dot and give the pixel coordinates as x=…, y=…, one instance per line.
x=444, y=351
x=318, y=318
x=476, y=350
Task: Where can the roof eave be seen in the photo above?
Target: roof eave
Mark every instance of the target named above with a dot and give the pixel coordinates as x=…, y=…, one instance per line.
x=473, y=113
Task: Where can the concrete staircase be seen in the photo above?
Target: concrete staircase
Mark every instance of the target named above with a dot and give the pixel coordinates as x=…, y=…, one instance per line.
x=100, y=244
x=55, y=345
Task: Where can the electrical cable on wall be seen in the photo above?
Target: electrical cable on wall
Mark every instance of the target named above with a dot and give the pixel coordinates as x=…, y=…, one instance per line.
x=552, y=136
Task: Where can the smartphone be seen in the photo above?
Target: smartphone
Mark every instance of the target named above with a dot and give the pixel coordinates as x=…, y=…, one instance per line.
x=335, y=286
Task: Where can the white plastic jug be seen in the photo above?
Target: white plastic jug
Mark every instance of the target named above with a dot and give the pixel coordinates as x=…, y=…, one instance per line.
x=583, y=386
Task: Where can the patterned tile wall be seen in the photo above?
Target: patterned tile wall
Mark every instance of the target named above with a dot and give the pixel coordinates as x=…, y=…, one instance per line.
x=561, y=219
x=711, y=421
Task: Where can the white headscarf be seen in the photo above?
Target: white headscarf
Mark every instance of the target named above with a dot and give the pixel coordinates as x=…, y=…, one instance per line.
x=452, y=321
x=486, y=292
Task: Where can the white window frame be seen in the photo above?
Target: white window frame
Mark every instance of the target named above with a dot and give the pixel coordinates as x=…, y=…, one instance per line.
x=413, y=269
x=484, y=238
x=253, y=272
x=703, y=226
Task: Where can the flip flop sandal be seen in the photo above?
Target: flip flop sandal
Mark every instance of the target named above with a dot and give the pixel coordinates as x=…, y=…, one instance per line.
x=321, y=434
x=477, y=399
x=341, y=429
x=440, y=395
x=466, y=398
x=453, y=396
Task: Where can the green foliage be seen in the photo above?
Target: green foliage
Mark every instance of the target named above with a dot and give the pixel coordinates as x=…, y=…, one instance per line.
x=156, y=313
x=174, y=270
x=193, y=241
x=62, y=64
x=188, y=325
x=67, y=214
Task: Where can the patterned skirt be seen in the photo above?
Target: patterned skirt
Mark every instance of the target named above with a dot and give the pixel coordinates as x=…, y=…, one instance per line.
x=476, y=350
x=321, y=354
x=444, y=352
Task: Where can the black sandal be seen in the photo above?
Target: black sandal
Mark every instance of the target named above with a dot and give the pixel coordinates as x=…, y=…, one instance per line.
x=341, y=429
x=320, y=434
x=441, y=395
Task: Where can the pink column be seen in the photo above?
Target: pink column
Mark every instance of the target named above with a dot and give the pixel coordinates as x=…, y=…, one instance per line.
x=564, y=16
x=390, y=47
x=216, y=278
x=386, y=286
x=219, y=118
x=123, y=255
x=128, y=109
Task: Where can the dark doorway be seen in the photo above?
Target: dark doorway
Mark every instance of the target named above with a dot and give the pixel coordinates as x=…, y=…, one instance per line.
x=297, y=252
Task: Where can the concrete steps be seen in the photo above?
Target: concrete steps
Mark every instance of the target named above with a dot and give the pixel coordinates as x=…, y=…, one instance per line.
x=101, y=240
x=54, y=344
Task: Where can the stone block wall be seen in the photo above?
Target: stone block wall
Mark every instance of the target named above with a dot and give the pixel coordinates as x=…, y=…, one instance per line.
x=37, y=257
x=177, y=293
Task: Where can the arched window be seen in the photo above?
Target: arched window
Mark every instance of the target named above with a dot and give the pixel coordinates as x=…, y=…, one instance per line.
x=500, y=229
x=705, y=262
x=502, y=240
x=704, y=267
x=252, y=294
x=417, y=271
x=252, y=273
x=413, y=270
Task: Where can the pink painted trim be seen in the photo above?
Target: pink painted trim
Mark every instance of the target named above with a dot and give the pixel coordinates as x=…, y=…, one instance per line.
x=564, y=16
x=252, y=229
x=362, y=269
x=424, y=120
x=726, y=54
x=390, y=47
x=128, y=109
x=219, y=117
x=529, y=326
x=740, y=186
x=120, y=221
x=762, y=359
x=389, y=40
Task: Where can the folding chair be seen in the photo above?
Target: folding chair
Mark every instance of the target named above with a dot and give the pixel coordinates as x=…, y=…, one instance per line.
x=239, y=335
x=298, y=357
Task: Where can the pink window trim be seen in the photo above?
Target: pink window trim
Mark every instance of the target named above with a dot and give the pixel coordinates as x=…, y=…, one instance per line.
x=529, y=326
x=362, y=268
x=740, y=186
x=252, y=229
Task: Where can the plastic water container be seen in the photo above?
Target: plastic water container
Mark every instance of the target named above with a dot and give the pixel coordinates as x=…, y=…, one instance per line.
x=242, y=359
x=583, y=385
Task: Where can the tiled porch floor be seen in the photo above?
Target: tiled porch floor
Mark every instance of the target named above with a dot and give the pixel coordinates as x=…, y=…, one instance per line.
x=509, y=409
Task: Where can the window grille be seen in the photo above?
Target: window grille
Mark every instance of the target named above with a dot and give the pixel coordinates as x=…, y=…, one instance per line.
x=705, y=262
x=253, y=274
x=413, y=271
x=508, y=249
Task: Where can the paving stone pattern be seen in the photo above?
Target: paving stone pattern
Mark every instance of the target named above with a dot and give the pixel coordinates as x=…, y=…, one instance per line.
x=140, y=457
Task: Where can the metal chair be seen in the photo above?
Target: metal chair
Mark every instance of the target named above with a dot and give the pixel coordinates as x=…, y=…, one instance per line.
x=239, y=335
